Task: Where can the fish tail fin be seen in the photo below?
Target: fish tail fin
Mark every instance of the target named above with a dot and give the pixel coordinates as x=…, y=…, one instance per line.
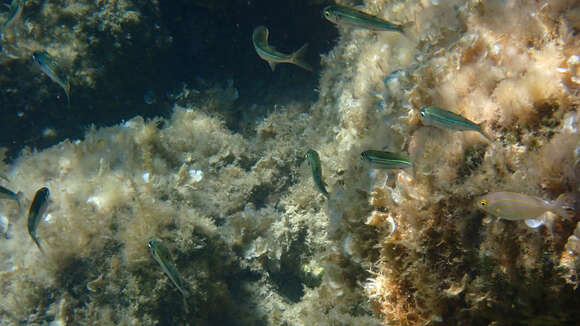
x=566, y=205
x=297, y=58
x=406, y=29
x=18, y=197
x=185, y=305
x=185, y=294
x=38, y=244
x=67, y=91
x=480, y=130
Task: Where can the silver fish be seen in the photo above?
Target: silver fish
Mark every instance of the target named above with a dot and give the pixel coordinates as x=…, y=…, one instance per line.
x=441, y=118
x=163, y=257
x=15, y=12
x=514, y=206
x=8, y=194
x=386, y=160
x=274, y=57
x=316, y=168
x=36, y=213
x=351, y=17
x=48, y=65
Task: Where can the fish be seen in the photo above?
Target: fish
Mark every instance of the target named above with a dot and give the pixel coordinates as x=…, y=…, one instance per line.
x=16, y=8
x=36, y=213
x=441, y=118
x=386, y=160
x=515, y=207
x=272, y=56
x=48, y=65
x=340, y=15
x=316, y=168
x=162, y=256
x=8, y=194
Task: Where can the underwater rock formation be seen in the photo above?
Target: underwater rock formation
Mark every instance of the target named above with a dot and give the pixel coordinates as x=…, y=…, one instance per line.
x=509, y=65
x=254, y=240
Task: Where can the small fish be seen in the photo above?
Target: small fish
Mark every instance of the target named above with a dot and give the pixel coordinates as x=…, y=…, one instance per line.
x=163, y=257
x=149, y=97
x=36, y=213
x=440, y=118
x=386, y=160
x=351, y=17
x=15, y=12
x=48, y=65
x=316, y=168
x=8, y=194
x=273, y=57
x=514, y=207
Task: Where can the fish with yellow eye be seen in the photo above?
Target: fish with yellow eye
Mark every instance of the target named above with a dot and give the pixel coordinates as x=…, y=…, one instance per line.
x=516, y=207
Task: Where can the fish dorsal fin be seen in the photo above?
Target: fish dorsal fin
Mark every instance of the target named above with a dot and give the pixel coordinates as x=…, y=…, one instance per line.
x=266, y=34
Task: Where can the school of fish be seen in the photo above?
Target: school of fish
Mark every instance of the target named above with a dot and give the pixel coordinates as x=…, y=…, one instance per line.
x=506, y=205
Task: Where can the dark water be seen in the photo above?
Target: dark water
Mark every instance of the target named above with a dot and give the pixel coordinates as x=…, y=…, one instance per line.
x=176, y=43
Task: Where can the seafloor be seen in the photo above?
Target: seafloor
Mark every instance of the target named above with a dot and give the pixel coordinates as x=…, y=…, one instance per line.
x=175, y=129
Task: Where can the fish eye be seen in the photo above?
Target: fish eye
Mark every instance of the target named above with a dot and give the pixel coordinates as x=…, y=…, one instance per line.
x=326, y=13
x=483, y=203
x=422, y=113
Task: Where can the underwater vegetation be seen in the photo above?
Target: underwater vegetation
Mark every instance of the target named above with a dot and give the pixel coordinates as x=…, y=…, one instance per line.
x=402, y=215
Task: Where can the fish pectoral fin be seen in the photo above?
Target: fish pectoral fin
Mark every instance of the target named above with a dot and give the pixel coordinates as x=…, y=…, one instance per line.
x=534, y=223
x=272, y=65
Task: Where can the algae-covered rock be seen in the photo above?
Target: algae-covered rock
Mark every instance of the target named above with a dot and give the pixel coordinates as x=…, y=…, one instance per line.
x=254, y=241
